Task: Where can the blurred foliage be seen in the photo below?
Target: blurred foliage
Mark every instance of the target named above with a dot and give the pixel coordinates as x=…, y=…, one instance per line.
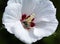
x=7, y=38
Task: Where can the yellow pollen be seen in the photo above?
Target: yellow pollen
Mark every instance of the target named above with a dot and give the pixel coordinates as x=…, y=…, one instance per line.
x=30, y=18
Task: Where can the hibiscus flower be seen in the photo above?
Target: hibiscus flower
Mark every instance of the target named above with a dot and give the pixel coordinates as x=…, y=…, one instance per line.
x=30, y=20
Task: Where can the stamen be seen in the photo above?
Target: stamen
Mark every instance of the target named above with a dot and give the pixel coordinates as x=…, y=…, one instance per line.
x=27, y=21
x=23, y=16
x=32, y=24
x=33, y=19
x=30, y=18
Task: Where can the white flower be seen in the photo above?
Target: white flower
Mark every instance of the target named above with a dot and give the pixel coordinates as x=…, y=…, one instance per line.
x=30, y=20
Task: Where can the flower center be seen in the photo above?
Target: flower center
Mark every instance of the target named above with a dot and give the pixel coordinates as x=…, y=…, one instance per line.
x=28, y=21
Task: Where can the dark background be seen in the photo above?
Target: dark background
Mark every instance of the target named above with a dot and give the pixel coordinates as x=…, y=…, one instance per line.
x=7, y=38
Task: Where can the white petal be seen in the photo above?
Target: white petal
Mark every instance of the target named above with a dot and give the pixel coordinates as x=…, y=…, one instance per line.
x=15, y=1
x=28, y=6
x=46, y=22
x=12, y=12
x=22, y=34
x=45, y=28
x=32, y=35
x=45, y=11
x=8, y=26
